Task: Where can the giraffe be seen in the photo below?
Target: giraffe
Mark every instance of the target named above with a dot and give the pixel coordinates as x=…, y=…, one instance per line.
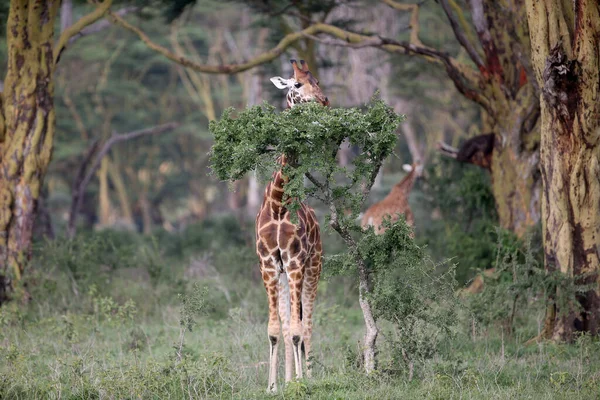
x=396, y=202
x=290, y=254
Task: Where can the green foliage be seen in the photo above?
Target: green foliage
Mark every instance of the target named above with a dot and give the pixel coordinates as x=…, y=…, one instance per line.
x=517, y=279
x=410, y=292
x=466, y=230
x=192, y=304
x=521, y=285
x=96, y=344
x=309, y=135
x=405, y=289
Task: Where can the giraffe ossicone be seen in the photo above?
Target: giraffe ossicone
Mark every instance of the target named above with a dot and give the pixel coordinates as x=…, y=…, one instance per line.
x=290, y=253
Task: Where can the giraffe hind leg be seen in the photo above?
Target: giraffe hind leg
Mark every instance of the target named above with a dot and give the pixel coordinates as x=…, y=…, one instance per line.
x=309, y=293
x=295, y=278
x=270, y=280
x=284, y=314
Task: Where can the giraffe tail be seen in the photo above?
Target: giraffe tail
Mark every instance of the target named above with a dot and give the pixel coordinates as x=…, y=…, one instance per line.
x=302, y=344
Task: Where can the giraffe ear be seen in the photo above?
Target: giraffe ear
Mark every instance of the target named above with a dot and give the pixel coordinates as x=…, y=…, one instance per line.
x=407, y=167
x=282, y=83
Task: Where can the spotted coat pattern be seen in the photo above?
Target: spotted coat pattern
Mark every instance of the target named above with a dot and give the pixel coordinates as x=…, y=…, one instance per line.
x=290, y=256
x=396, y=202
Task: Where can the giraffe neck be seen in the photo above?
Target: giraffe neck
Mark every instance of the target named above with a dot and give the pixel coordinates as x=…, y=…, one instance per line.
x=406, y=184
x=274, y=190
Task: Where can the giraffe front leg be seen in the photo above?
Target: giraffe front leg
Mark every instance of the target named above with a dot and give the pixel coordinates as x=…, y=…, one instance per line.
x=270, y=280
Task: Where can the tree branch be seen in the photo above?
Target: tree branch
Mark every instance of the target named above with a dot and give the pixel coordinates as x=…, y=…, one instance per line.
x=99, y=26
x=263, y=58
x=414, y=18
x=446, y=149
x=464, y=78
x=461, y=36
x=81, y=180
x=78, y=26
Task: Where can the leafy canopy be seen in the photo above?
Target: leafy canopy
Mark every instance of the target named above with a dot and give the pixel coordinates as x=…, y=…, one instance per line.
x=309, y=135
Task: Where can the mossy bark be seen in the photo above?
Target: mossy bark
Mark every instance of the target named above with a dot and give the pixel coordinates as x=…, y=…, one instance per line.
x=513, y=113
x=565, y=42
x=27, y=130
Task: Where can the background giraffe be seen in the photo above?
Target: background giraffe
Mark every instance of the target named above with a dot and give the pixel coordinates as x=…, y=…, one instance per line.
x=290, y=254
x=396, y=202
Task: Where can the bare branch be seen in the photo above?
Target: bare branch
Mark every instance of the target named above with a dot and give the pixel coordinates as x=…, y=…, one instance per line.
x=263, y=58
x=461, y=36
x=373, y=42
x=414, y=18
x=78, y=26
x=446, y=149
x=82, y=179
x=99, y=26
x=464, y=77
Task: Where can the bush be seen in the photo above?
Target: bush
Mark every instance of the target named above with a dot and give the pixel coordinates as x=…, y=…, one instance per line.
x=463, y=196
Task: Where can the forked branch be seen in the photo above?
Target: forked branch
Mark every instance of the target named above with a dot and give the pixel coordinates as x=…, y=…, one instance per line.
x=78, y=26
x=462, y=37
x=83, y=179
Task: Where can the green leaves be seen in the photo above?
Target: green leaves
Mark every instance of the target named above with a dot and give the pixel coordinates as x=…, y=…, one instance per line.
x=310, y=135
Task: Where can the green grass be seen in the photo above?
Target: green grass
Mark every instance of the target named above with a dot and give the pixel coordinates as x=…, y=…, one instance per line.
x=115, y=333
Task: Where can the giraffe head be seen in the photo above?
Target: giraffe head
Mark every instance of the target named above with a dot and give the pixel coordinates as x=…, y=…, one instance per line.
x=416, y=166
x=302, y=87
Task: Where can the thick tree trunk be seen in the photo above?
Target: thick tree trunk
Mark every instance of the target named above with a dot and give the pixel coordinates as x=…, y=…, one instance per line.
x=510, y=112
x=27, y=131
x=566, y=49
x=516, y=180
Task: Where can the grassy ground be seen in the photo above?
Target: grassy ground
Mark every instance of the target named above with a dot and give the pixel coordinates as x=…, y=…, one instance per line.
x=106, y=322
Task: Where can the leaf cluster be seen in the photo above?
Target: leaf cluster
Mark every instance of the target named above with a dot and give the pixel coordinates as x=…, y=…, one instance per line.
x=410, y=292
x=309, y=135
x=520, y=283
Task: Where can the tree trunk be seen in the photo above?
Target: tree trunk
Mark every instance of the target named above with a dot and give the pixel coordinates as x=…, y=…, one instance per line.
x=105, y=209
x=508, y=84
x=117, y=179
x=516, y=181
x=66, y=14
x=27, y=130
x=371, y=332
x=566, y=60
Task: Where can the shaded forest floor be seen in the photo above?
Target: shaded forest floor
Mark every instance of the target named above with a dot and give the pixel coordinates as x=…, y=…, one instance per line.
x=110, y=317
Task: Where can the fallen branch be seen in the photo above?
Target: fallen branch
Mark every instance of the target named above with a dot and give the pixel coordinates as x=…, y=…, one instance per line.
x=82, y=178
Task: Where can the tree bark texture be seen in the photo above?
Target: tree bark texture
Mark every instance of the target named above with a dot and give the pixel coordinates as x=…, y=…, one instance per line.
x=512, y=113
x=28, y=123
x=565, y=38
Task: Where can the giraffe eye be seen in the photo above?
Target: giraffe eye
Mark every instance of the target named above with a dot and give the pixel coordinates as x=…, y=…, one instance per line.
x=298, y=85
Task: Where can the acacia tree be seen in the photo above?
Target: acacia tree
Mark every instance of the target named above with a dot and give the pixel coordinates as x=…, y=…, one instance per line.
x=565, y=55
x=27, y=122
x=396, y=281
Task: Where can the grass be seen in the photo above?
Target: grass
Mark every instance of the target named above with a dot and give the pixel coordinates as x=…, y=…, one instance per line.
x=105, y=331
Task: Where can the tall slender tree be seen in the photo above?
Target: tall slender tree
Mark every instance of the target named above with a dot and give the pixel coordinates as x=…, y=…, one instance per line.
x=565, y=38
